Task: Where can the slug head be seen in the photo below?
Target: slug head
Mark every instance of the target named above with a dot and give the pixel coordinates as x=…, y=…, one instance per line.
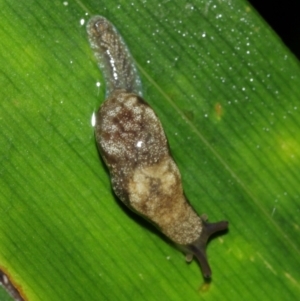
x=198, y=247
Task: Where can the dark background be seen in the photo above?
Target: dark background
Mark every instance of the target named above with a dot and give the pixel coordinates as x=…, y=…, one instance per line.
x=284, y=18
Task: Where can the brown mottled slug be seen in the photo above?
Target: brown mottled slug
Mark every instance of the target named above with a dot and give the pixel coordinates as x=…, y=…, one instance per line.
x=134, y=147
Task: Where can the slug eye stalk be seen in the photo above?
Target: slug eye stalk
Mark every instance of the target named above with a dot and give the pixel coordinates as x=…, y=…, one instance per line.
x=198, y=248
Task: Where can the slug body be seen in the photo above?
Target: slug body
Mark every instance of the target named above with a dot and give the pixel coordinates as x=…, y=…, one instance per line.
x=134, y=147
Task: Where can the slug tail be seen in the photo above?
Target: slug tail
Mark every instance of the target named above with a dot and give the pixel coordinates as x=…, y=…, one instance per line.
x=198, y=248
x=113, y=57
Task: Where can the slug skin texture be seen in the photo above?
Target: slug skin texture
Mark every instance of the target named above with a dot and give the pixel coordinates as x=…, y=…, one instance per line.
x=133, y=145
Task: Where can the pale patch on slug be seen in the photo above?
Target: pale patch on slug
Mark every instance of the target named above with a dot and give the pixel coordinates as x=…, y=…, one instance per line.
x=156, y=192
x=134, y=147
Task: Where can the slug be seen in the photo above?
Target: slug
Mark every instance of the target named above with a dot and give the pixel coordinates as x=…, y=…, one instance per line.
x=133, y=145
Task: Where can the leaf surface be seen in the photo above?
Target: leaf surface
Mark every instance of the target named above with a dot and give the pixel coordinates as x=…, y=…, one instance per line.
x=227, y=92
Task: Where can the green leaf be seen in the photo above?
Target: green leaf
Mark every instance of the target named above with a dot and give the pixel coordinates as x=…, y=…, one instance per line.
x=227, y=92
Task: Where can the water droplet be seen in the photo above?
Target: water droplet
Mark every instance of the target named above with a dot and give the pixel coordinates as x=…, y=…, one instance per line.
x=93, y=119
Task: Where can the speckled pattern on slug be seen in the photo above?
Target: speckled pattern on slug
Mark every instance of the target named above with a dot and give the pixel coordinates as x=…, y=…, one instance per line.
x=144, y=176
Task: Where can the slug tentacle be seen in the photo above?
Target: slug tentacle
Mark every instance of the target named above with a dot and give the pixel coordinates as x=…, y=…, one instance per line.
x=198, y=247
x=113, y=57
x=134, y=147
